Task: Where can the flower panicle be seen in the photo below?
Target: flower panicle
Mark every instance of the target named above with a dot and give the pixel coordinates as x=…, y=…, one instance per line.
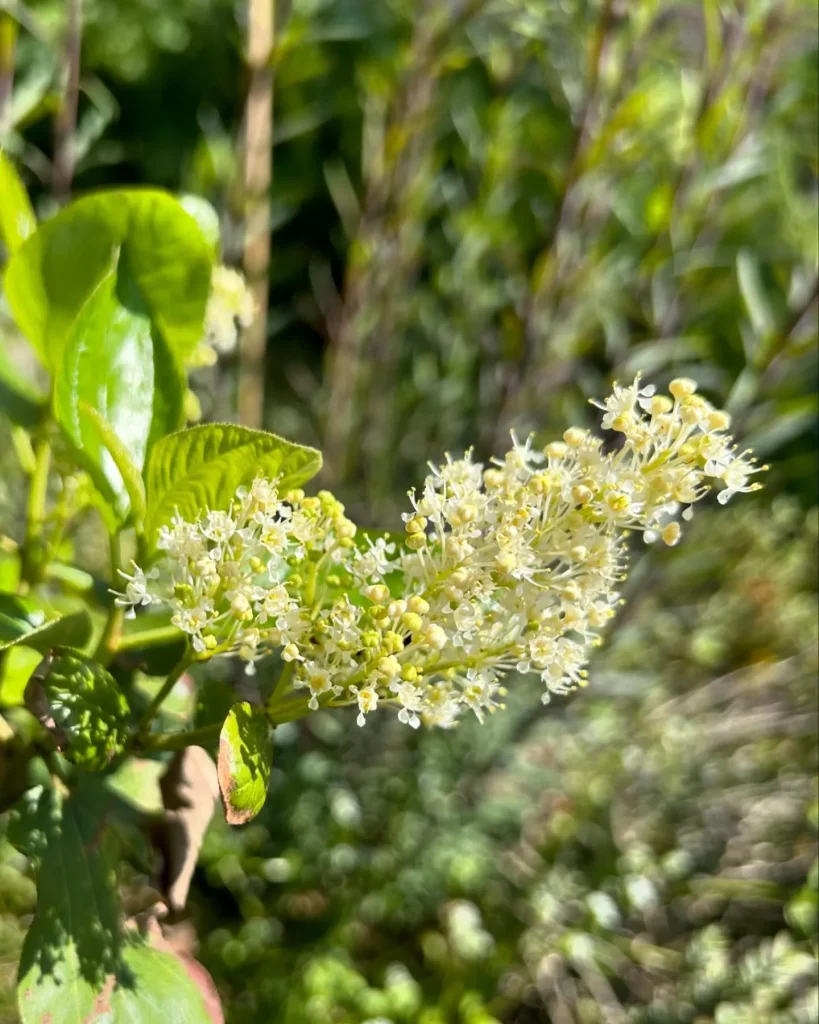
x=513, y=566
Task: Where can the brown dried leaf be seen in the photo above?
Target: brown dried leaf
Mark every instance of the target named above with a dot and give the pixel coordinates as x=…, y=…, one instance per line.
x=189, y=793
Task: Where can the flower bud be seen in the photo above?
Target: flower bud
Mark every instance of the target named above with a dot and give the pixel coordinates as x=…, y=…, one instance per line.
x=718, y=420
x=396, y=608
x=671, y=534
x=505, y=562
x=575, y=436
x=416, y=525
x=682, y=387
x=416, y=541
x=418, y=605
x=582, y=495
x=290, y=652
x=377, y=593
x=412, y=621
x=389, y=667
x=555, y=450
x=435, y=637
x=409, y=673
x=345, y=527
x=393, y=641
x=660, y=404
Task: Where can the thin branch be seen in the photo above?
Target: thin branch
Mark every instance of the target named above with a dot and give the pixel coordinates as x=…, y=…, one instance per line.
x=258, y=172
x=182, y=666
x=8, y=41
x=544, y=264
x=109, y=641
x=31, y=562
x=65, y=122
x=202, y=737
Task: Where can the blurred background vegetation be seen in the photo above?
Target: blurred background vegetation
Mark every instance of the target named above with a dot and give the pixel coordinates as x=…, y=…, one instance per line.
x=481, y=211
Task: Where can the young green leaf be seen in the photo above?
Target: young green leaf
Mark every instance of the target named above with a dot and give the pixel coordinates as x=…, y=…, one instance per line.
x=78, y=966
x=24, y=405
x=54, y=273
x=131, y=478
x=17, y=220
x=245, y=761
x=81, y=704
x=200, y=468
x=71, y=630
x=205, y=216
x=117, y=388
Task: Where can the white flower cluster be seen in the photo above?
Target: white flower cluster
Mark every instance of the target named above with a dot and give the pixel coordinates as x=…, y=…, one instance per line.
x=230, y=308
x=511, y=567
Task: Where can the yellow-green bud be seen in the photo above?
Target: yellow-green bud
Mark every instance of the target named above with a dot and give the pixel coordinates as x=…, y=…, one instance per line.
x=290, y=652
x=718, y=420
x=682, y=387
x=412, y=621
x=389, y=667
x=393, y=641
x=660, y=404
x=575, y=436
x=345, y=527
x=435, y=636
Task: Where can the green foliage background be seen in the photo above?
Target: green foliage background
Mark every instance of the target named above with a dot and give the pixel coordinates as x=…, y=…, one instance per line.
x=481, y=211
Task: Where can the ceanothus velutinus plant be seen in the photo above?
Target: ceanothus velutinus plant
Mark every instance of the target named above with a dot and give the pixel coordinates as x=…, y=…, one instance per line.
x=506, y=568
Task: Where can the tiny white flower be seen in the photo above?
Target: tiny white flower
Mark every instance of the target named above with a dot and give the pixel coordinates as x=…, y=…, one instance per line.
x=367, y=697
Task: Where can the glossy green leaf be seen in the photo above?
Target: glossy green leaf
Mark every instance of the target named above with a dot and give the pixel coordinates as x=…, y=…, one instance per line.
x=245, y=761
x=24, y=405
x=71, y=630
x=752, y=289
x=205, y=216
x=17, y=616
x=17, y=220
x=55, y=272
x=81, y=704
x=201, y=468
x=130, y=475
x=16, y=668
x=77, y=964
x=117, y=382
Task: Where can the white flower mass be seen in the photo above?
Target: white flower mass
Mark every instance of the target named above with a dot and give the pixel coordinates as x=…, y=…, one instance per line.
x=511, y=567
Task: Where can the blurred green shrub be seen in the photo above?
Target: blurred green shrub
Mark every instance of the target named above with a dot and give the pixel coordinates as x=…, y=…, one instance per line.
x=480, y=209
x=644, y=853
